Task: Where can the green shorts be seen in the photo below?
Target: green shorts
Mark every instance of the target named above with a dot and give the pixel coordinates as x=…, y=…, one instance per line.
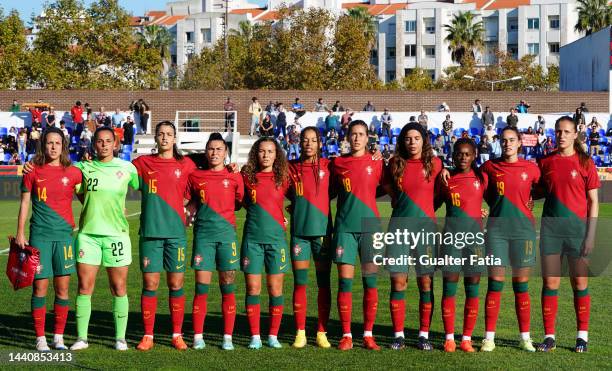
x=108, y=251
x=348, y=245
x=514, y=252
x=56, y=257
x=303, y=247
x=421, y=256
x=255, y=256
x=210, y=256
x=155, y=252
x=561, y=245
x=470, y=259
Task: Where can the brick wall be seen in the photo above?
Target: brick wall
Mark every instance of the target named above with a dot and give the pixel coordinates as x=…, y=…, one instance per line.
x=164, y=103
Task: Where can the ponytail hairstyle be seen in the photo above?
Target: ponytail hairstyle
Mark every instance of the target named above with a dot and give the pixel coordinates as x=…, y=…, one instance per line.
x=40, y=159
x=213, y=136
x=317, y=162
x=398, y=162
x=472, y=144
x=175, y=151
x=280, y=167
x=583, y=157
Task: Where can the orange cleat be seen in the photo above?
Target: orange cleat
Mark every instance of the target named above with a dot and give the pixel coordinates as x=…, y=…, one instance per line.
x=466, y=346
x=145, y=344
x=369, y=343
x=346, y=343
x=450, y=346
x=178, y=343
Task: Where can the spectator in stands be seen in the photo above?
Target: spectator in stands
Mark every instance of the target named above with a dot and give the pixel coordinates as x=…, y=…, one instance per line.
x=332, y=137
x=579, y=117
x=345, y=120
x=22, y=142
x=582, y=135
x=522, y=107
x=541, y=142
x=15, y=107
x=118, y=136
x=540, y=123
x=594, y=142
x=270, y=107
x=294, y=143
x=255, y=111
x=583, y=107
x=476, y=107
x=84, y=144
x=128, y=131
x=345, y=146
x=490, y=133
x=496, y=150
x=594, y=124
x=117, y=118
x=36, y=115
x=34, y=137
x=102, y=119
x=320, y=106
x=266, y=128
x=369, y=107
x=64, y=130
x=337, y=107
x=15, y=160
x=487, y=118
x=76, y=113
x=88, y=134
x=449, y=149
x=447, y=128
x=439, y=146
x=465, y=134
x=50, y=118
x=512, y=118
x=528, y=141
x=281, y=121
x=386, y=122
x=12, y=132
x=443, y=107
x=423, y=119
x=229, y=107
x=142, y=112
x=549, y=146
x=386, y=154
x=372, y=136
x=331, y=122
x=283, y=143
x=296, y=124
x=484, y=149
x=298, y=108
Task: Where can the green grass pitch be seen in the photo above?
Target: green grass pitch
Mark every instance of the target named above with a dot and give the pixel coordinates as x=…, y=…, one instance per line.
x=17, y=334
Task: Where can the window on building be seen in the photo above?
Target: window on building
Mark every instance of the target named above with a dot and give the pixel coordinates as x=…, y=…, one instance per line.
x=391, y=52
x=513, y=50
x=411, y=26
x=390, y=75
x=512, y=24
x=553, y=48
x=553, y=22
x=374, y=54
x=410, y=50
x=407, y=71
x=173, y=59
x=533, y=48
x=206, y=35
x=533, y=23
x=430, y=51
x=430, y=25
x=431, y=73
x=189, y=37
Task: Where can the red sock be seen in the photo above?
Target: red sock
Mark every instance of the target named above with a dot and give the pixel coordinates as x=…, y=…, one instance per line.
x=324, y=306
x=522, y=305
x=148, y=308
x=470, y=315
x=448, y=314
x=582, y=306
x=345, y=309
x=492, y=306
x=253, y=314
x=370, y=307
x=200, y=308
x=38, y=315
x=549, y=313
x=177, y=313
x=398, y=314
x=276, y=316
x=61, y=315
x=300, y=306
x=228, y=307
x=425, y=315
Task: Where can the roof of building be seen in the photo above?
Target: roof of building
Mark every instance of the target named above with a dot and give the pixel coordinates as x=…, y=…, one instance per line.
x=271, y=15
x=253, y=11
x=167, y=20
x=155, y=13
x=506, y=4
x=377, y=9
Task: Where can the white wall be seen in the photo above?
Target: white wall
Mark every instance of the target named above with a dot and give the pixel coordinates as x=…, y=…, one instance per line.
x=585, y=63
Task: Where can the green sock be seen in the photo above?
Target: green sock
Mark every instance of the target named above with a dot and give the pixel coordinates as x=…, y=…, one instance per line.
x=121, y=308
x=83, y=312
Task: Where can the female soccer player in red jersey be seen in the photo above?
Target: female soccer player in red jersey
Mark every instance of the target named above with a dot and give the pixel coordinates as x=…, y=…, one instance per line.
x=511, y=235
x=411, y=180
x=356, y=177
x=215, y=193
x=570, y=183
x=266, y=180
x=310, y=228
x=163, y=181
x=463, y=196
x=52, y=180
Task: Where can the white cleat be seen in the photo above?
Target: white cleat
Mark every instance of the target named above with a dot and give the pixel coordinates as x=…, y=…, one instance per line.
x=80, y=345
x=121, y=345
x=41, y=344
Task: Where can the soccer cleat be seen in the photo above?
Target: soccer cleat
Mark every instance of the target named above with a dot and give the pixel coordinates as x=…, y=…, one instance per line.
x=145, y=344
x=527, y=345
x=199, y=344
x=41, y=345
x=424, y=344
x=178, y=343
x=449, y=346
x=369, y=343
x=227, y=345
x=466, y=346
x=121, y=344
x=346, y=343
x=548, y=345
x=273, y=342
x=322, y=341
x=59, y=345
x=487, y=345
x=581, y=346
x=80, y=345
x=255, y=343
x=398, y=343
x=300, y=339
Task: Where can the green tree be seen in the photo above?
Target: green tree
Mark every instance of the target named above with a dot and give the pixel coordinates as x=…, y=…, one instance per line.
x=417, y=80
x=593, y=15
x=464, y=36
x=367, y=22
x=13, y=52
x=158, y=38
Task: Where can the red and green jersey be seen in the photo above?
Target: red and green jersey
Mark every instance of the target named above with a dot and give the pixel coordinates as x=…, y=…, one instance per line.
x=264, y=203
x=162, y=184
x=52, y=189
x=508, y=194
x=356, y=180
x=309, y=194
x=415, y=198
x=463, y=197
x=218, y=193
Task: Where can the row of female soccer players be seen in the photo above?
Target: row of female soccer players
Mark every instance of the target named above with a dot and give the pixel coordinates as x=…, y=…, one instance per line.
x=215, y=192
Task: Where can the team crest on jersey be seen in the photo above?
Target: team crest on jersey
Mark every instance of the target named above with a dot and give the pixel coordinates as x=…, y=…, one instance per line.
x=524, y=176
x=369, y=170
x=22, y=257
x=339, y=251
x=297, y=250
x=226, y=183
x=574, y=174
x=197, y=259
x=81, y=254
x=146, y=261
x=321, y=174
x=65, y=181
x=245, y=262
x=39, y=268
x=177, y=172
x=477, y=184
x=119, y=174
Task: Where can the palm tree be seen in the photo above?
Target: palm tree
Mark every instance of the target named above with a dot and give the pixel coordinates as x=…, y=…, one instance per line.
x=464, y=36
x=158, y=37
x=244, y=32
x=593, y=15
x=362, y=15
